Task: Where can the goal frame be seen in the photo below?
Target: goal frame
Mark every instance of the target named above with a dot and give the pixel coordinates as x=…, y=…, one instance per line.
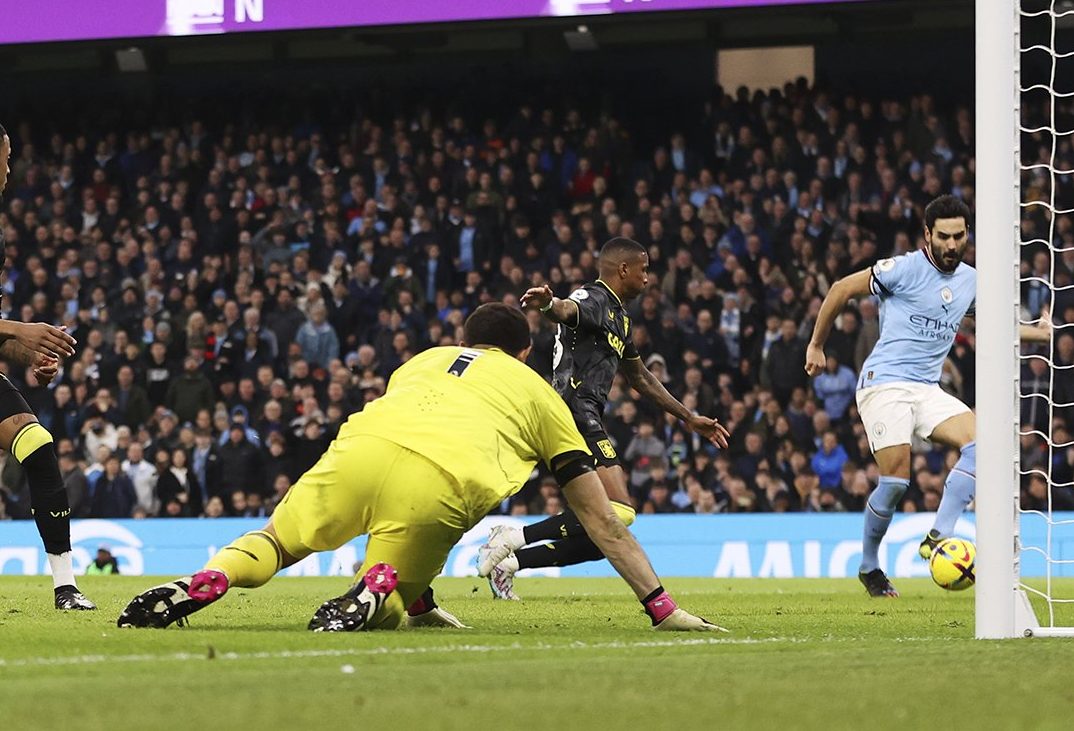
x=1002, y=608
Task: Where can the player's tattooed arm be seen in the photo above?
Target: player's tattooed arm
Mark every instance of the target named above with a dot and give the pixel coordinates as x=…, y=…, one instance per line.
x=849, y=287
x=552, y=307
x=643, y=381
x=17, y=354
x=38, y=337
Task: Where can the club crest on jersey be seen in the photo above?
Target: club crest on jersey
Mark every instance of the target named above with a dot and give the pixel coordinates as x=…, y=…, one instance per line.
x=946, y=295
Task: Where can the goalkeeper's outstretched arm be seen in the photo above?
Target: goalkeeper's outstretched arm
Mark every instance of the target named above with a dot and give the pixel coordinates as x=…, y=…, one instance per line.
x=585, y=493
x=587, y=497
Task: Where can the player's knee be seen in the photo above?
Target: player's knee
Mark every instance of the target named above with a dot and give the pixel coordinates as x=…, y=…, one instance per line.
x=894, y=462
x=30, y=439
x=626, y=513
x=885, y=498
x=284, y=529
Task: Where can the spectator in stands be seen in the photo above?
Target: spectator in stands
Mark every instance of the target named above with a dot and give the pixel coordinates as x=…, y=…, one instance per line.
x=240, y=461
x=828, y=461
x=132, y=401
x=782, y=366
x=74, y=482
x=113, y=493
x=317, y=339
x=835, y=387
x=347, y=253
x=189, y=393
x=143, y=476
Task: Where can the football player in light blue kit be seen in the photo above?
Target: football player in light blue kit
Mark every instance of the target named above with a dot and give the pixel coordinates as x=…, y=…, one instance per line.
x=923, y=298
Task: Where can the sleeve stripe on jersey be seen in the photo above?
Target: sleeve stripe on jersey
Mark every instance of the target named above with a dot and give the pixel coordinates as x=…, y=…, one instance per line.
x=877, y=288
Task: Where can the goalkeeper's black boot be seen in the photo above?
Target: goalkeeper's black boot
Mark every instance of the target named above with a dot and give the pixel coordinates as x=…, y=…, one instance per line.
x=928, y=544
x=352, y=611
x=877, y=584
x=175, y=601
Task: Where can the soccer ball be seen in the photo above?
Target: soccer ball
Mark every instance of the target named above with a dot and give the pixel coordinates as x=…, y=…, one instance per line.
x=952, y=564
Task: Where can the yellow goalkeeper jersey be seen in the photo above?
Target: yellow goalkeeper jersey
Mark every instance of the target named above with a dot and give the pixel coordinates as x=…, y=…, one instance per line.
x=480, y=415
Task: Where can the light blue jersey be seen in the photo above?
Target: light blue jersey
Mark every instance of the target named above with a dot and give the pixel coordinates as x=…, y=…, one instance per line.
x=921, y=309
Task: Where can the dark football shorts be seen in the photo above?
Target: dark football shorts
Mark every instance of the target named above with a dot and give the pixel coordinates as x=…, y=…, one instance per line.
x=11, y=401
x=592, y=430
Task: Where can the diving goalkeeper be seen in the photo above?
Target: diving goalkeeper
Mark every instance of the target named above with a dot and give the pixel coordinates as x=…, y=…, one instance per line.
x=458, y=431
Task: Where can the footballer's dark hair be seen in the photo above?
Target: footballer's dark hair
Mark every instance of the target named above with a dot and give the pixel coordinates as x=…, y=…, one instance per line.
x=620, y=249
x=946, y=206
x=498, y=325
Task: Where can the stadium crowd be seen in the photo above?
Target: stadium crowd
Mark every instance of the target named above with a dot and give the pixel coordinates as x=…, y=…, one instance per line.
x=238, y=291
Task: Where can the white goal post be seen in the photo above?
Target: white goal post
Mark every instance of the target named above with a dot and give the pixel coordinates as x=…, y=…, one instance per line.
x=1002, y=606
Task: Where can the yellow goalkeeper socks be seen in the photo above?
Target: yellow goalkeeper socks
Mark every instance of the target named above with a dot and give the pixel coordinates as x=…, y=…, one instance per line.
x=250, y=560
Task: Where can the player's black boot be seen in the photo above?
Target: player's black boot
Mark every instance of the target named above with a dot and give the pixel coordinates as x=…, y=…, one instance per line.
x=877, y=584
x=928, y=544
x=160, y=606
x=351, y=612
x=69, y=598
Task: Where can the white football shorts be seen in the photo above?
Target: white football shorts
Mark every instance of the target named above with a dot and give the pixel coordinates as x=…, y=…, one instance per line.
x=893, y=412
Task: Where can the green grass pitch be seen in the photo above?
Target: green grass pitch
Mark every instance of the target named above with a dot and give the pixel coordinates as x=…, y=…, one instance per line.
x=575, y=654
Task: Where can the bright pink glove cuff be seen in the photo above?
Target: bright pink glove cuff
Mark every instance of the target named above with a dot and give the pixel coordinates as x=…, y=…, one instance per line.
x=659, y=605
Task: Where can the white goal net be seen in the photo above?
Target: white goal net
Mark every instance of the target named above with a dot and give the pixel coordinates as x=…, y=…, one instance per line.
x=1046, y=167
x=1025, y=258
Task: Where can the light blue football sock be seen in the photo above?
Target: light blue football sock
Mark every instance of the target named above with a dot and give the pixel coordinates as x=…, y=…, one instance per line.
x=878, y=511
x=958, y=491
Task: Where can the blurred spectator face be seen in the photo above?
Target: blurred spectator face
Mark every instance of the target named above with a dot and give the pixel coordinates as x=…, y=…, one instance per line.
x=821, y=421
x=134, y=453
x=281, y=485
x=111, y=467
x=214, y=508
x=829, y=441
x=238, y=501
x=706, y=501
x=931, y=500
x=704, y=321
x=1065, y=346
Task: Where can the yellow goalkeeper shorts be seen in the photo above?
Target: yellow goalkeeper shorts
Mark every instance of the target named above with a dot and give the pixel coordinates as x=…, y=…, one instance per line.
x=412, y=511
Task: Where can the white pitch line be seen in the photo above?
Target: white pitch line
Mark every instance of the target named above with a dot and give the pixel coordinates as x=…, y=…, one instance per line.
x=435, y=650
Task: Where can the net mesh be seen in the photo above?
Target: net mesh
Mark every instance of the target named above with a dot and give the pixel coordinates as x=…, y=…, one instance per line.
x=1046, y=163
